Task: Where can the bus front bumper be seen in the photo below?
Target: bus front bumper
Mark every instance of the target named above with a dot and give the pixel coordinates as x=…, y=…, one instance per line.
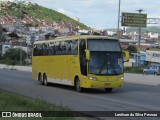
x=100, y=84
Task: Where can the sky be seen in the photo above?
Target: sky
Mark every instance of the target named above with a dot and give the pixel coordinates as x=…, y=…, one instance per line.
x=101, y=14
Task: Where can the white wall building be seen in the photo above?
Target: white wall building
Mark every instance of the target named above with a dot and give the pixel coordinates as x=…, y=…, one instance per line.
x=153, y=56
x=153, y=35
x=111, y=33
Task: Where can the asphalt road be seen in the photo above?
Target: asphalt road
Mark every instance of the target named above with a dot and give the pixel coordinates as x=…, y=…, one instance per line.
x=129, y=98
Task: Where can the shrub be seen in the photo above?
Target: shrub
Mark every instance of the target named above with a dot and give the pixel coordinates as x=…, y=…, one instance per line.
x=12, y=57
x=135, y=69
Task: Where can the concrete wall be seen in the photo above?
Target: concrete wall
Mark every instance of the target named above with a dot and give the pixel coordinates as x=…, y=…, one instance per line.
x=21, y=68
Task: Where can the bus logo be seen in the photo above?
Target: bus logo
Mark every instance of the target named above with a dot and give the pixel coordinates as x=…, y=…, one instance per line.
x=6, y=114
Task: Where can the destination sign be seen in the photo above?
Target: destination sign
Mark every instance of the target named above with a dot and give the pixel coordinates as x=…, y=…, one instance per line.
x=134, y=19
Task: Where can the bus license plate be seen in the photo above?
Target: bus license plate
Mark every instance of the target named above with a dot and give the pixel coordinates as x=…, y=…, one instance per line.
x=107, y=84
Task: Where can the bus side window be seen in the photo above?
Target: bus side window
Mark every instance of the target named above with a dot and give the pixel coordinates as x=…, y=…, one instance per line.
x=56, y=48
x=45, y=49
x=60, y=48
x=51, y=48
x=74, y=47
x=64, y=52
x=40, y=50
x=35, y=50
x=68, y=47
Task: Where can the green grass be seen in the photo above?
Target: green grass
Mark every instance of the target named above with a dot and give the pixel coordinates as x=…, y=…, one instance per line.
x=13, y=102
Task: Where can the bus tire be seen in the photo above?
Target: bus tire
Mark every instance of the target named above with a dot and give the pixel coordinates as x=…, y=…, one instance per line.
x=40, y=81
x=108, y=90
x=78, y=85
x=45, y=80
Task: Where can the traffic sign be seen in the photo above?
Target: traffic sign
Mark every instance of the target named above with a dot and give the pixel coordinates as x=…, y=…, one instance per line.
x=134, y=19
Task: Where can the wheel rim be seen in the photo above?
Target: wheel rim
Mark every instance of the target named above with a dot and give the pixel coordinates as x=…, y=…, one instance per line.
x=78, y=87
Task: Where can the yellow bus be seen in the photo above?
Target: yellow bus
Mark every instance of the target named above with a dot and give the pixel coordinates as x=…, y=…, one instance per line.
x=82, y=61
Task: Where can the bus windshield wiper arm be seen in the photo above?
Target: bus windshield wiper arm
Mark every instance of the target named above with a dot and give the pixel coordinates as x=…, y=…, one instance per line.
x=105, y=62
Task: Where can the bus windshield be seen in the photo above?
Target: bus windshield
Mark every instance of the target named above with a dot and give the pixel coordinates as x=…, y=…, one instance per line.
x=105, y=57
x=106, y=63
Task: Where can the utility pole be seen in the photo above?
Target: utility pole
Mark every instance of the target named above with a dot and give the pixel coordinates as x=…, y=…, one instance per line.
x=139, y=38
x=21, y=15
x=119, y=9
x=21, y=38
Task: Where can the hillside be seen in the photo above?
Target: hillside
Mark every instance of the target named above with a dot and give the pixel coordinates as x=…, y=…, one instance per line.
x=37, y=11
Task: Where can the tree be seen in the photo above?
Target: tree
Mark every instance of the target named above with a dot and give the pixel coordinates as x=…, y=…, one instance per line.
x=13, y=56
x=132, y=49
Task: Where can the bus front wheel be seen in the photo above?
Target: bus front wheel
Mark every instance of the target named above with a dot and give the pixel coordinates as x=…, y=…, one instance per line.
x=78, y=85
x=45, y=80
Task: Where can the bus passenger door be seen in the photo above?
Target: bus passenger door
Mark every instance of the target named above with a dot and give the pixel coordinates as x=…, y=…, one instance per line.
x=82, y=54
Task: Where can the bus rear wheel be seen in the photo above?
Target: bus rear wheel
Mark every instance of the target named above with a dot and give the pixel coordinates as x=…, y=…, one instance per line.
x=108, y=90
x=45, y=80
x=78, y=85
x=40, y=81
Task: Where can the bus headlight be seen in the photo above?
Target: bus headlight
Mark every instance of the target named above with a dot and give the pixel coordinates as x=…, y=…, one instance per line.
x=120, y=78
x=93, y=78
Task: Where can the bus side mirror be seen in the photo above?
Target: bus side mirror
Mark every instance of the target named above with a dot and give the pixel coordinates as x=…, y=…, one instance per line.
x=87, y=55
x=125, y=56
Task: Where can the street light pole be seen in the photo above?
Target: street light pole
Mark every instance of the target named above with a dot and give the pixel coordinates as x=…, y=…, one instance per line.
x=139, y=37
x=20, y=2
x=119, y=9
x=21, y=42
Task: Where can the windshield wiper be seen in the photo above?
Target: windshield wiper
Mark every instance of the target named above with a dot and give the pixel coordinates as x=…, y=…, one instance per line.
x=101, y=68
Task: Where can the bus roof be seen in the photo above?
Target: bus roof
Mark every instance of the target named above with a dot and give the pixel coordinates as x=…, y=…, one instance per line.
x=76, y=37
